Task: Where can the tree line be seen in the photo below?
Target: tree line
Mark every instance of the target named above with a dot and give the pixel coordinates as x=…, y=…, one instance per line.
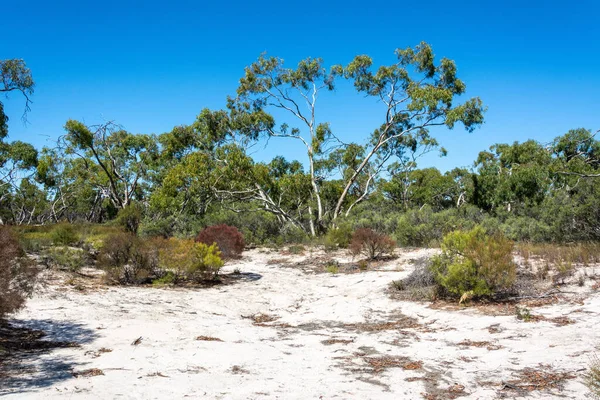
x=203, y=173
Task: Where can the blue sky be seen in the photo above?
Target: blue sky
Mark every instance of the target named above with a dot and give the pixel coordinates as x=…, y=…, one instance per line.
x=153, y=65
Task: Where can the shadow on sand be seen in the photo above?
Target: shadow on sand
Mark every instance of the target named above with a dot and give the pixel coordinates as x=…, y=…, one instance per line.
x=32, y=355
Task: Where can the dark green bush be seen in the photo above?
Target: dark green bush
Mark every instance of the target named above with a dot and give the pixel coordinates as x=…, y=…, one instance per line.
x=129, y=218
x=64, y=234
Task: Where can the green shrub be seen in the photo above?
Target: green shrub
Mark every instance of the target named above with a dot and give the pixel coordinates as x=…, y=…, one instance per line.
x=66, y=258
x=64, y=234
x=333, y=267
x=474, y=263
x=296, y=249
x=338, y=237
x=191, y=260
x=129, y=218
x=168, y=278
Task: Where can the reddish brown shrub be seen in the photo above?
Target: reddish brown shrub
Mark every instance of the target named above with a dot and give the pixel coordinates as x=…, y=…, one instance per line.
x=17, y=273
x=229, y=239
x=371, y=244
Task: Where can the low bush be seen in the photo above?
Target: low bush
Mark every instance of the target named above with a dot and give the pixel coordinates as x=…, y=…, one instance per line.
x=17, y=273
x=371, y=244
x=128, y=259
x=338, y=237
x=333, y=267
x=475, y=264
x=191, y=260
x=420, y=284
x=227, y=238
x=64, y=234
x=70, y=259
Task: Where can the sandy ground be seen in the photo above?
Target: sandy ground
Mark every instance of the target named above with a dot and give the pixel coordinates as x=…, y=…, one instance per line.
x=329, y=337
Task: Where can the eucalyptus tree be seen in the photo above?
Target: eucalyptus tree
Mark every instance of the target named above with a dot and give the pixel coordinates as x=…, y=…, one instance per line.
x=416, y=94
x=17, y=159
x=122, y=159
x=14, y=77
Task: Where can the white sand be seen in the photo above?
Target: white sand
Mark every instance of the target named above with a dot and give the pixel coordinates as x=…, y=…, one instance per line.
x=275, y=362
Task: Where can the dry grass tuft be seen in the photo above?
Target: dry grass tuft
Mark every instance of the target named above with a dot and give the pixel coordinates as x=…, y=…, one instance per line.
x=379, y=364
x=87, y=373
x=488, y=345
x=208, y=339
x=329, y=342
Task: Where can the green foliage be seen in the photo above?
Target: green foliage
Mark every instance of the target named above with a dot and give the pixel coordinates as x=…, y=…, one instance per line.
x=523, y=314
x=474, y=262
x=338, y=237
x=333, y=267
x=191, y=260
x=14, y=76
x=66, y=258
x=169, y=278
x=592, y=377
x=64, y=234
x=129, y=218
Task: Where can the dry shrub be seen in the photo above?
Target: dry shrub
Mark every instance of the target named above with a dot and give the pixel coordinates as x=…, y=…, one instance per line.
x=586, y=253
x=17, y=273
x=128, y=259
x=228, y=239
x=371, y=244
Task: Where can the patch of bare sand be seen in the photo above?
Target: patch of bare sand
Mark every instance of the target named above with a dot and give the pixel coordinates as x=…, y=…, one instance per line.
x=293, y=333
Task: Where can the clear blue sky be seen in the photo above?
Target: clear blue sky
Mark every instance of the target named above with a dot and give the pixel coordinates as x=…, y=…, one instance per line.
x=155, y=64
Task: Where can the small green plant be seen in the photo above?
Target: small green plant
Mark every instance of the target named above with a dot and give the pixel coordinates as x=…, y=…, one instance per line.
x=168, y=278
x=296, y=249
x=399, y=285
x=333, y=267
x=523, y=314
x=363, y=265
x=592, y=377
x=64, y=235
x=564, y=270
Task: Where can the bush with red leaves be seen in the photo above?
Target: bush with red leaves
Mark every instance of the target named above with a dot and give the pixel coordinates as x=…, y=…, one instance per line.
x=229, y=239
x=371, y=244
x=17, y=273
